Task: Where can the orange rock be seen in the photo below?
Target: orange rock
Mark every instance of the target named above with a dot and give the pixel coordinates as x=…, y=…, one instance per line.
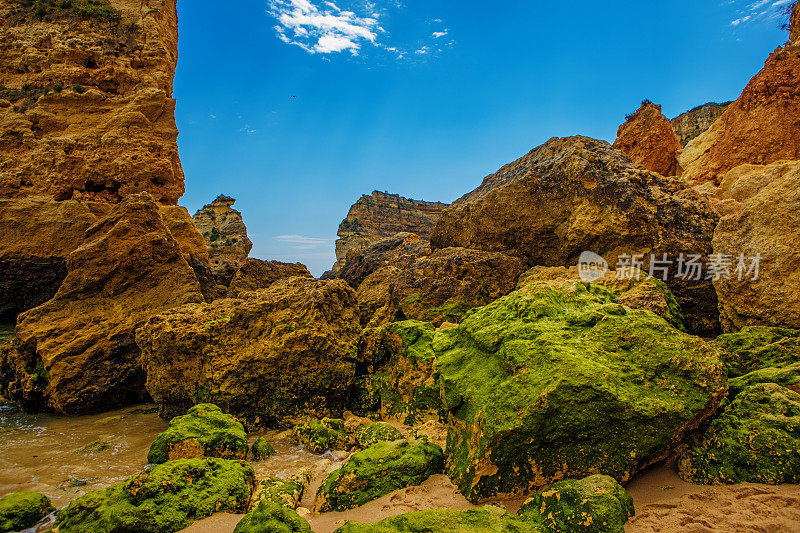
x=648, y=139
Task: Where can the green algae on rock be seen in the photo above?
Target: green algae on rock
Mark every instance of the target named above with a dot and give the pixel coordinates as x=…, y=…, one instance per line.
x=164, y=499
x=261, y=449
x=756, y=347
x=272, y=518
x=380, y=469
x=487, y=519
x=284, y=492
x=787, y=376
x=22, y=510
x=557, y=380
x=398, y=360
x=205, y=431
x=319, y=436
x=595, y=504
x=755, y=440
x=368, y=435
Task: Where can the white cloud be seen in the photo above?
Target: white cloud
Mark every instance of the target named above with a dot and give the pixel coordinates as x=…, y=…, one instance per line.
x=438, y=34
x=740, y=20
x=304, y=242
x=324, y=28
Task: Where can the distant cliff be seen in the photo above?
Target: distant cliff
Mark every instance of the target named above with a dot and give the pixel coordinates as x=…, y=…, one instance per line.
x=691, y=124
x=226, y=237
x=380, y=215
x=86, y=107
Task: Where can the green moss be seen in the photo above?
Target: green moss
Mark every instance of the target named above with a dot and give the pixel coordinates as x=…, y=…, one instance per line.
x=262, y=449
x=283, y=492
x=788, y=376
x=272, y=518
x=218, y=434
x=596, y=504
x=480, y=520
x=380, y=469
x=97, y=446
x=319, y=436
x=164, y=499
x=368, y=435
x=756, y=439
x=756, y=347
x=557, y=379
x=22, y=510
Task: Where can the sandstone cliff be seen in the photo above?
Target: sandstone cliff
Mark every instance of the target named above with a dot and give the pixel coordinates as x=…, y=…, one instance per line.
x=225, y=235
x=86, y=106
x=794, y=36
x=648, y=139
x=759, y=128
x=380, y=215
x=688, y=126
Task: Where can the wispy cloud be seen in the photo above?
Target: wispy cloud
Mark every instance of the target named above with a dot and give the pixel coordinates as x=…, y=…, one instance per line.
x=304, y=242
x=323, y=27
x=769, y=11
x=438, y=34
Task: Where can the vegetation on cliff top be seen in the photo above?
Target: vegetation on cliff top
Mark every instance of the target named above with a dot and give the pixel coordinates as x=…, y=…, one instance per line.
x=52, y=10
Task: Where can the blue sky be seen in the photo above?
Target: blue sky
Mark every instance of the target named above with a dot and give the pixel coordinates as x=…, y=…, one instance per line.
x=426, y=97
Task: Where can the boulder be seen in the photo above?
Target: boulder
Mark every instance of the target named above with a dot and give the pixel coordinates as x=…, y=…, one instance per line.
x=319, y=436
x=786, y=376
x=577, y=194
x=281, y=353
x=76, y=352
x=225, y=235
x=556, y=381
x=21, y=510
x=380, y=469
x=164, y=499
x=487, y=519
x=368, y=435
x=756, y=243
x=755, y=348
x=399, y=250
x=758, y=128
x=272, y=518
x=284, y=492
x=261, y=449
x=595, y=504
x=755, y=440
x=205, y=431
x=257, y=274
x=648, y=139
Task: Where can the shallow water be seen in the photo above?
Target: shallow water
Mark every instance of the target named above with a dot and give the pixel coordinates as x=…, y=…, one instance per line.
x=6, y=332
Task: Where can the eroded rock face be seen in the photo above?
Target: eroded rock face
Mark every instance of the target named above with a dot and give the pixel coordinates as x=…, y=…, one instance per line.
x=578, y=194
x=556, y=380
x=763, y=219
x=400, y=251
x=688, y=126
x=226, y=237
x=76, y=352
x=257, y=274
x=280, y=353
x=648, y=139
x=380, y=215
x=759, y=128
x=794, y=37
x=88, y=109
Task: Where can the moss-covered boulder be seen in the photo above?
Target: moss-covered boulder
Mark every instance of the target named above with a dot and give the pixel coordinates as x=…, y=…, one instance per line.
x=22, y=510
x=319, y=436
x=397, y=363
x=272, y=518
x=558, y=380
x=380, y=469
x=166, y=498
x=368, y=435
x=487, y=519
x=596, y=504
x=205, y=431
x=284, y=492
x=787, y=376
x=756, y=347
x=756, y=439
x=261, y=449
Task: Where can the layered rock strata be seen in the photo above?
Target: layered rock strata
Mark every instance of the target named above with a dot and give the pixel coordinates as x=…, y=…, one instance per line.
x=225, y=235
x=688, y=126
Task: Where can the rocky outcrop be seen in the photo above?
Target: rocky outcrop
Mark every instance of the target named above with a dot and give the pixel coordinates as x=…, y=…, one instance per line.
x=225, y=235
x=76, y=352
x=257, y=274
x=759, y=128
x=278, y=354
x=688, y=126
x=794, y=25
x=557, y=380
x=577, y=194
x=648, y=139
x=86, y=107
x=380, y=215
x=763, y=221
